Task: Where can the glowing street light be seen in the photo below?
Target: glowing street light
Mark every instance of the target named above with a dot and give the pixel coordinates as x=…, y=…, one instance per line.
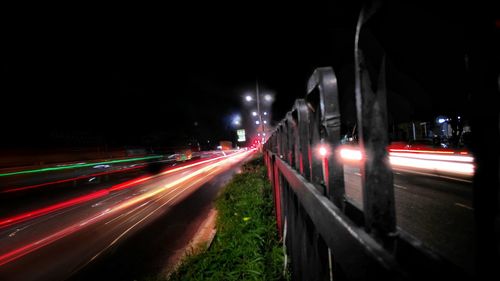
x=265, y=113
x=254, y=113
x=257, y=122
x=236, y=120
x=268, y=97
x=248, y=98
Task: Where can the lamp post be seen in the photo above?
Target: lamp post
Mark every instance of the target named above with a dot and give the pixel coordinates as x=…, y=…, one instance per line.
x=258, y=105
x=261, y=122
x=261, y=100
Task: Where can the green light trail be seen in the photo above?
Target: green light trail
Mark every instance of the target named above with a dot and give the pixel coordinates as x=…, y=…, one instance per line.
x=48, y=169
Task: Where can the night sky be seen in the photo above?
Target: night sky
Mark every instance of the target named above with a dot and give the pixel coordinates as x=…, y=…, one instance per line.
x=122, y=73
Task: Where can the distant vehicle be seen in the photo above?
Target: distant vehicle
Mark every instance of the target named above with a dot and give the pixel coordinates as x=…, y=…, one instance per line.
x=184, y=155
x=226, y=145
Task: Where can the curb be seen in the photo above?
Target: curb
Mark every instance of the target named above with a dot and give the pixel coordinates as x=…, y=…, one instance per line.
x=201, y=241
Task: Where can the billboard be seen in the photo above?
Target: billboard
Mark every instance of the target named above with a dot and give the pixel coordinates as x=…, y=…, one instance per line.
x=241, y=135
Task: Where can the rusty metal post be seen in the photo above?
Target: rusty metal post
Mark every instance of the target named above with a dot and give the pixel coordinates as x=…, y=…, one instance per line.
x=303, y=132
x=325, y=81
x=371, y=106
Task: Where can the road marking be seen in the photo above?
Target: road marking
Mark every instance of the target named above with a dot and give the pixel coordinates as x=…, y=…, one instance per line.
x=17, y=230
x=357, y=174
x=127, y=213
x=178, y=188
x=464, y=206
x=400, y=186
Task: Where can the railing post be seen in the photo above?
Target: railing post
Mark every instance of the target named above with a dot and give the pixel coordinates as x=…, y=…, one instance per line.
x=303, y=136
x=371, y=105
x=325, y=81
x=290, y=128
x=277, y=196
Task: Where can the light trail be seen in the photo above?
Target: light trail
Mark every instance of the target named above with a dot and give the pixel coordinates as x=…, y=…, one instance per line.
x=197, y=175
x=440, y=157
x=49, y=209
x=79, y=165
x=421, y=151
x=434, y=165
x=71, y=179
x=350, y=154
x=429, y=160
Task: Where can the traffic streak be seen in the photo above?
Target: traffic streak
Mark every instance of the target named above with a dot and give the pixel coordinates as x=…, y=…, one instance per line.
x=112, y=212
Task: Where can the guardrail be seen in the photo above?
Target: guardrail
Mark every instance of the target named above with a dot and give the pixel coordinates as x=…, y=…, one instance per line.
x=325, y=234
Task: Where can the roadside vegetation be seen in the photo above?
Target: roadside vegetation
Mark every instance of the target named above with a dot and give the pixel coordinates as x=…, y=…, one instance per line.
x=246, y=246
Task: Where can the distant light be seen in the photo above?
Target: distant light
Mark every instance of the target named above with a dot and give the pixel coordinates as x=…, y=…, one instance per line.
x=263, y=134
x=258, y=134
x=441, y=120
x=254, y=113
x=322, y=151
x=236, y=120
x=350, y=154
x=458, y=117
x=268, y=97
x=265, y=113
x=248, y=98
x=257, y=122
x=265, y=122
x=219, y=147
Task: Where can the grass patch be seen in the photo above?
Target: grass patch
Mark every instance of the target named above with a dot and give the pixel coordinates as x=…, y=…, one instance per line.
x=246, y=246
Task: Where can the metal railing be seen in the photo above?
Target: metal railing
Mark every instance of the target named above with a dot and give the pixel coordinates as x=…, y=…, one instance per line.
x=325, y=234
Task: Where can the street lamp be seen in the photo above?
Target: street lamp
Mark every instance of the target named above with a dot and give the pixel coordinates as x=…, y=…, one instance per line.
x=236, y=120
x=266, y=99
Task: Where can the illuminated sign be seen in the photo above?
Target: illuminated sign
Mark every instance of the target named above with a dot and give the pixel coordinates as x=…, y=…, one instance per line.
x=241, y=135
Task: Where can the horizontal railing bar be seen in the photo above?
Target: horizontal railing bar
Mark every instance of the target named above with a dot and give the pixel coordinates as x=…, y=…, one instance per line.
x=357, y=252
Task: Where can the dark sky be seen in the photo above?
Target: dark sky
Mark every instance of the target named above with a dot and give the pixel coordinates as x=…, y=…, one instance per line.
x=121, y=73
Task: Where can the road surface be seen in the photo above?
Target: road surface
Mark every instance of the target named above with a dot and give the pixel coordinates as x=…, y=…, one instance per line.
x=436, y=209
x=59, y=242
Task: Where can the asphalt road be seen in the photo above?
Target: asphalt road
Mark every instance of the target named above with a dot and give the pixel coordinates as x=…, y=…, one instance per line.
x=436, y=209
x=59, y=244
